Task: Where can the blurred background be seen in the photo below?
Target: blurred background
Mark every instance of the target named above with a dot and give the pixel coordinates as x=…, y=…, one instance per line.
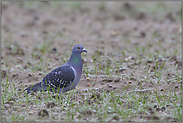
x=120, y=28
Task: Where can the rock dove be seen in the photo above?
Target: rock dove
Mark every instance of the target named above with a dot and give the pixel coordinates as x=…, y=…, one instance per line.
x=63, y=78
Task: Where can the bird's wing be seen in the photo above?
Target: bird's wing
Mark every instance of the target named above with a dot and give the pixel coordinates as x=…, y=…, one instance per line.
x=60, y=77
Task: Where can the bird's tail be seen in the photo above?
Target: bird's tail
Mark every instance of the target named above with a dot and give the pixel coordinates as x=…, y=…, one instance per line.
x=36, y=87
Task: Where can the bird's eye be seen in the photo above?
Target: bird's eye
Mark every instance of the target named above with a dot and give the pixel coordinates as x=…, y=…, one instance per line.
x=78, y=47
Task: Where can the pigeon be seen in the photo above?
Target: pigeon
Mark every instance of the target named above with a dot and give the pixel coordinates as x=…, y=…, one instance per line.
x=63, y=78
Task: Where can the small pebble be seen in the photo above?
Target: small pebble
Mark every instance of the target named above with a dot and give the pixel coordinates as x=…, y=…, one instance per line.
x=88, y=78
x=79, y=101
x=19, y=60
x=29, y=74
x=129, y=82
x=149, y=61
x=16, y=74
x=110, y=86
x=19, y=89
x=85, y=90
x=155, y=106
x=40, y=73
x=158, y=109
x=163, y=109
x=116, y=117
x=54, y=50
x=117, y=80
x=31, y=113
x=25, y=66
x=138, y=83
x=176, y=86
x=23, y=105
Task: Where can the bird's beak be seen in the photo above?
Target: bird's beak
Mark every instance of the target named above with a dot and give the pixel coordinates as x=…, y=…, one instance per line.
x=84, y=50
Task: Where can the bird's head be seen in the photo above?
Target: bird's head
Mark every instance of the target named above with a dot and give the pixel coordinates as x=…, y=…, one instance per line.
x=79, y=49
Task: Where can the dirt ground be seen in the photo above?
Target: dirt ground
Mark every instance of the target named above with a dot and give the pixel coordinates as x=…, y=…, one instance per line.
x=122, y=40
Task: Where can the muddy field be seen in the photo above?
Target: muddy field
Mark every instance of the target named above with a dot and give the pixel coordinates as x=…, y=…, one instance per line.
x=132, y=71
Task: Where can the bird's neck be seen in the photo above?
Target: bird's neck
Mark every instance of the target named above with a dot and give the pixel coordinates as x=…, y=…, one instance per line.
x=76, y=61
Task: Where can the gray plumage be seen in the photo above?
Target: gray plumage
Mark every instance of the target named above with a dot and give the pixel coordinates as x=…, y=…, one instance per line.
x=63, y=78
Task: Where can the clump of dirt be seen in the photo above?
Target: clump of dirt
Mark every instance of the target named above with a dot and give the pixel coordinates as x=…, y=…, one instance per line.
x=50, y=105
x=106, y=80
x=43, y=113
x=3, y=73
